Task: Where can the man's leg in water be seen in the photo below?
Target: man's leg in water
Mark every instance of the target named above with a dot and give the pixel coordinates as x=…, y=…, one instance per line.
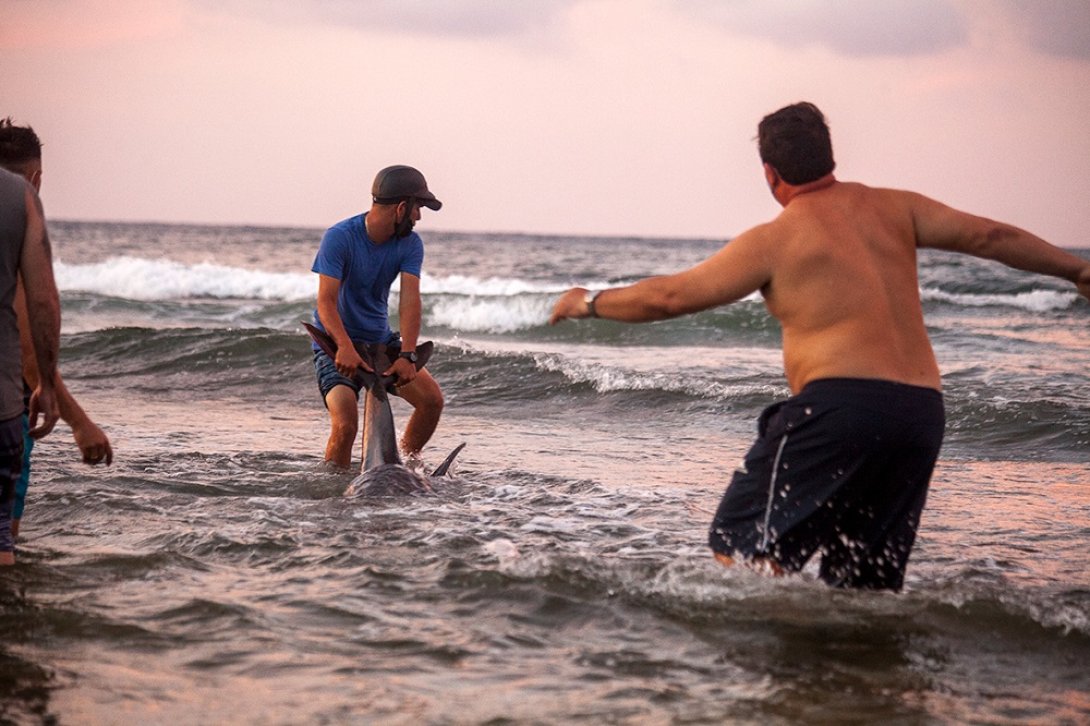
x=24, y=480
x=11, y=463
x=760, y=564
x=427, y=401
x=344, y=422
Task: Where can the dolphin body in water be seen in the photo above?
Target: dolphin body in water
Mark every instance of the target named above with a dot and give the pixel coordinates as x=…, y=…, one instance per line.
x=383, y=473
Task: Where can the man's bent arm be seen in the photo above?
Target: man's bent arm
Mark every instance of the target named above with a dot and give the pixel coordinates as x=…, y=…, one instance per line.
x=44, y=311
x=348, y=360
x=409, y=309
x=408, y=314
x=943, y=227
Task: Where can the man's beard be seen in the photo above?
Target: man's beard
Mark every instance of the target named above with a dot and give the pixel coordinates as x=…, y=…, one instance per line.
x=405, y=227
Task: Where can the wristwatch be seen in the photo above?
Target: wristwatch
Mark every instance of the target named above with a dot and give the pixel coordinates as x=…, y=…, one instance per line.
x=409, y=355
x=589, y=299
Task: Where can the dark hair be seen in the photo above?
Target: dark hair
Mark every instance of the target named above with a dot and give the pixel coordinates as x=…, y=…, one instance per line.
x=19, y=145
x=795, y=142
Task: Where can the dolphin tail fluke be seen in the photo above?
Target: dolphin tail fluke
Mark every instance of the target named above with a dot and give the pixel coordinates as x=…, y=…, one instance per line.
x=424, y=350
x=329, y=347
x=376, y=355
x=442, y=469
x=380, y=357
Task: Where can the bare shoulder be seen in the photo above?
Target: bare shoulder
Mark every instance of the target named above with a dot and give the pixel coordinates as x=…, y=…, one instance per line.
x=888, y=199
x=740, y=267
x=756, y=248
x=932, y=223
x=940, y=226
x=761, y=234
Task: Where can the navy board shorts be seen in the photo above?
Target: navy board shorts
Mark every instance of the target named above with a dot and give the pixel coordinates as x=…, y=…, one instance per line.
x=329, y=376
x=841, y=469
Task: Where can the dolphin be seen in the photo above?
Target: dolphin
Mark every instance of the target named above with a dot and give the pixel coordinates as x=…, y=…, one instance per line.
x=382, y=472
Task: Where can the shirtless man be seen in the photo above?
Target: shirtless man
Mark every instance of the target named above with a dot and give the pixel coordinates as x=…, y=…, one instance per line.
x=842, y=467
x=25, y=252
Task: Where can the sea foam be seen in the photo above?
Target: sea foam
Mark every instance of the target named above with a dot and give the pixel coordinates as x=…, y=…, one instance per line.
x=1035, y=301
x=137, y=278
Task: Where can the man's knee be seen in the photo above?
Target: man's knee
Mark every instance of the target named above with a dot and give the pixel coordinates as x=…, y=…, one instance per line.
x=425, y=395
x=343, y=412
x=433, y=399
x=342, y=430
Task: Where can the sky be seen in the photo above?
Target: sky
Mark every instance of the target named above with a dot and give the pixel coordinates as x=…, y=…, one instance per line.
x=586, y=117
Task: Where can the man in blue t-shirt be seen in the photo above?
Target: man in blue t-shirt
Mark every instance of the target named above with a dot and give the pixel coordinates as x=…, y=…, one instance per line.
x=357, y=262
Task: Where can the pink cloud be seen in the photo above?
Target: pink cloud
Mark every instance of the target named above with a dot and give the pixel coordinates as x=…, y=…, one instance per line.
x=62, y=25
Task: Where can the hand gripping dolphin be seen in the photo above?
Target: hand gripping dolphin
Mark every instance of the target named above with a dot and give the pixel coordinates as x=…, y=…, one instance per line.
x=382, y=473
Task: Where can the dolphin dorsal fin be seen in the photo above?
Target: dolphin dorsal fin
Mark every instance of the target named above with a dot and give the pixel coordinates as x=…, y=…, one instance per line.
x=442, y=469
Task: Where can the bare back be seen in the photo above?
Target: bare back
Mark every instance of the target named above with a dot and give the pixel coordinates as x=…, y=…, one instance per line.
x=844, y=287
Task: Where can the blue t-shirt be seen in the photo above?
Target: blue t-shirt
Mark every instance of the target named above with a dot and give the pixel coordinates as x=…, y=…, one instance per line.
x=366, y=271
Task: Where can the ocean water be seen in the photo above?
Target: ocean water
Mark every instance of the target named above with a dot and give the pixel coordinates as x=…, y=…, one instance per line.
x=217, y=574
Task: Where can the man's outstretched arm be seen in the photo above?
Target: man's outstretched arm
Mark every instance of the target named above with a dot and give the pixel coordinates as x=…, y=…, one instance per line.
x=740, y=268
x=943, y=227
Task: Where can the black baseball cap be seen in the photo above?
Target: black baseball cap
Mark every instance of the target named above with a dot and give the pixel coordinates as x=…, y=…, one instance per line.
x=395, y=183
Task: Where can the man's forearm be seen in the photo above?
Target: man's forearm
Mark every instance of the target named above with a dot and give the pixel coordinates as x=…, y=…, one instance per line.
x=71, y=411
x=650, y=299
x=1023, y=250
x=408, y=313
